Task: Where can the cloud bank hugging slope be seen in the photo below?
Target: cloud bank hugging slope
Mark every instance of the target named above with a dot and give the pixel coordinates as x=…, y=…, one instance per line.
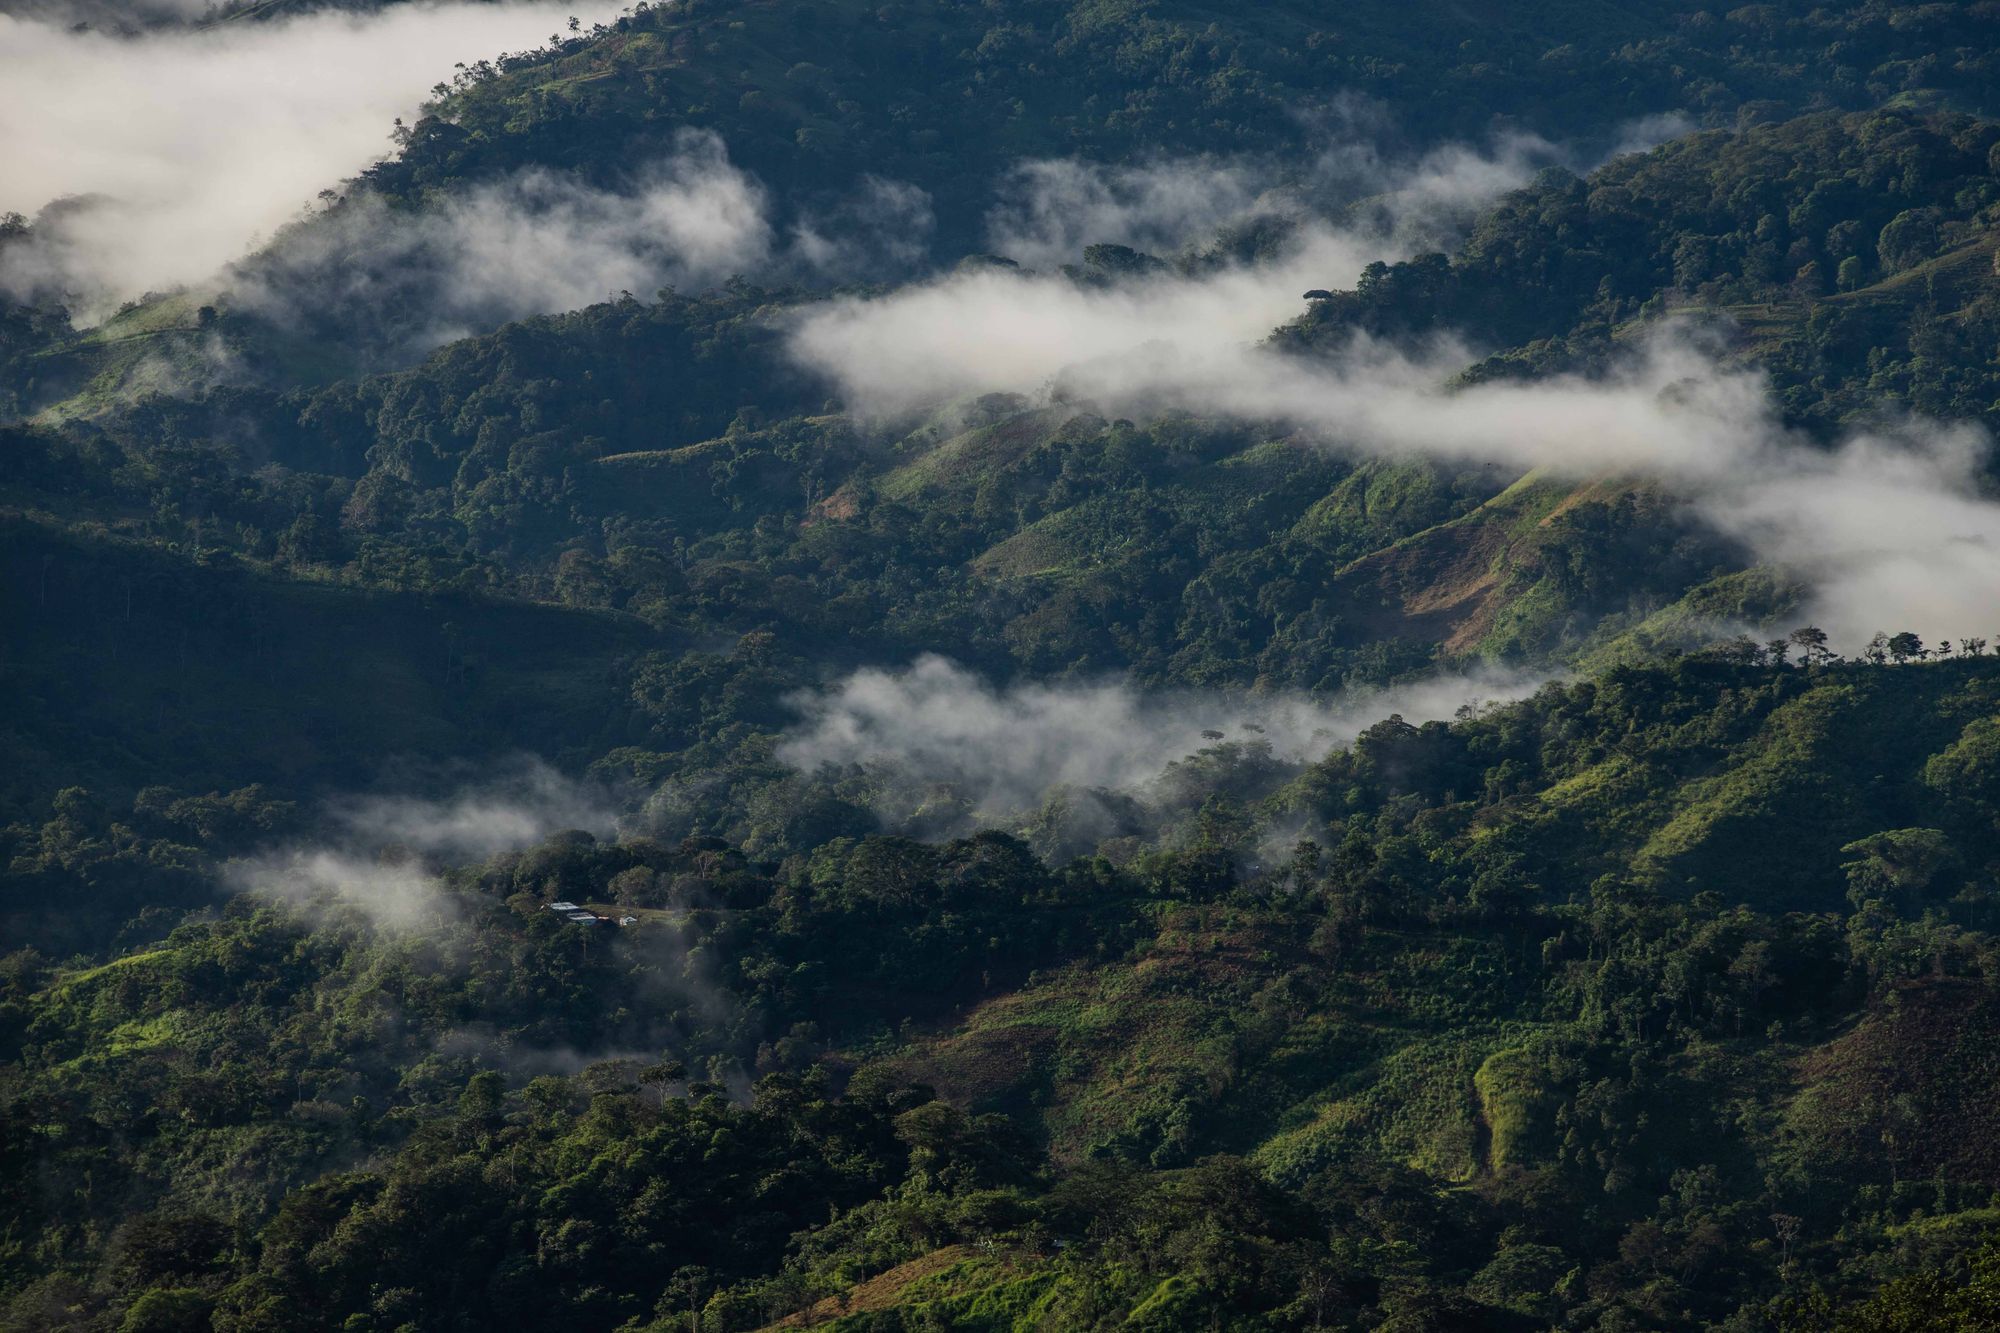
x=1004, y=748
x=1893, y=528
x=995, y=328
x=531, y=243
x=188, y=145
x=1047, y=211
x=380, y=854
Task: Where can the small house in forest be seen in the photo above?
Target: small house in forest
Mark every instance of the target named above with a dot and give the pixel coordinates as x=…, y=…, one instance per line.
x=583, y=916
x=569, y=911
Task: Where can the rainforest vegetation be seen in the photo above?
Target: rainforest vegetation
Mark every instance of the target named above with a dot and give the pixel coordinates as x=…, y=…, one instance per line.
x=1653, y=982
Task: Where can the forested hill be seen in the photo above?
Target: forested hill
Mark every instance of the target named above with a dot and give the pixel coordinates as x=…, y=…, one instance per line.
x=1655, y=1001
x=816, y=100
x=1832, y=247
x=667, y=465
x=1160, y=673
x=947, y=95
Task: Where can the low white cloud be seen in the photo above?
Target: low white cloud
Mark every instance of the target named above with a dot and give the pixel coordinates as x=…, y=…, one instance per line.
x=189, y=145
x=1649, y=132
x=1011, y=331
x=1889, y=528
x=1423, y=201
x=883, y=227
x=1892, y=528
x=533, y=243
x=515, y=807
x=381, y=854
x=1015, y=330
x=394, y=895
x=1049, y=210
x=1003, y=749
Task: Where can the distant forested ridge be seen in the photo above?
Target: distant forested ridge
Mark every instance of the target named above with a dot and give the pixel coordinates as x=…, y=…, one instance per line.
x=948, y=96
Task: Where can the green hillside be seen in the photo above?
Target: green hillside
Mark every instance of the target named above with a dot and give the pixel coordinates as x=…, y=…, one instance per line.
x=581, y=826
x=1078, y=1095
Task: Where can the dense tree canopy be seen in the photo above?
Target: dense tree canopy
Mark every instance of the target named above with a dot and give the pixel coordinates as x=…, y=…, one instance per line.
x=1666, y=995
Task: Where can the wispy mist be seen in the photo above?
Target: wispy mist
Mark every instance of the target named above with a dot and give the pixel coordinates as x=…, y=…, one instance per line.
x=1006, y=330
x=1892, y=529
x=185, y=146
x=882, y=228
x=381, y=854
x=395, y=894
x=1421, y=201
x=1049, y=210
x=1016, y=330
x=535, y=242
x=1003, y=749
x=515, y=807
